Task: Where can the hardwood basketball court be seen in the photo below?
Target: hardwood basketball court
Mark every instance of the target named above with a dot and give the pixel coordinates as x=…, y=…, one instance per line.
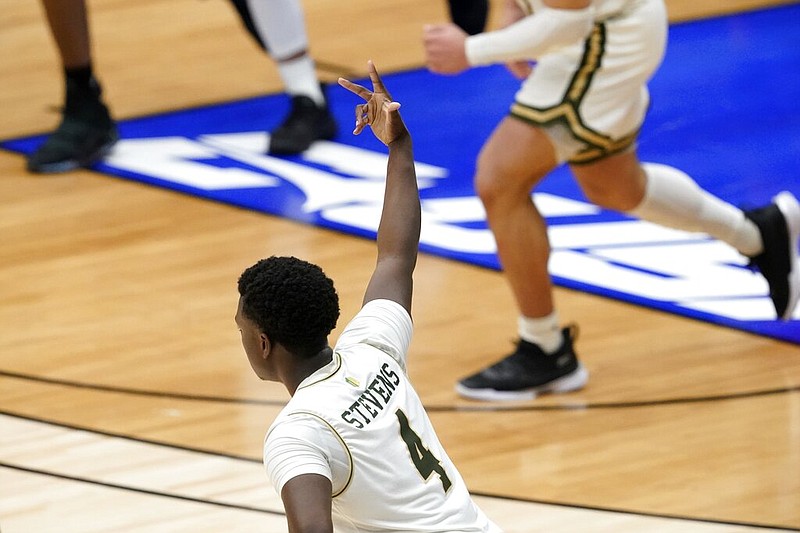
x=127, y=404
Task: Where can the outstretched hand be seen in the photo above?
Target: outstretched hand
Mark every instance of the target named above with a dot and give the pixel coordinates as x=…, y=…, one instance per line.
x=379, y=112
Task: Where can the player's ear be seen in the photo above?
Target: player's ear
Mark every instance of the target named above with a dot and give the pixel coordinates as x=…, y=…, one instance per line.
x=266, y=345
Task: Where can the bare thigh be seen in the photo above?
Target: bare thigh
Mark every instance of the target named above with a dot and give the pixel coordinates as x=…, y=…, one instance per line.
x=616, y=182
x=514, y=159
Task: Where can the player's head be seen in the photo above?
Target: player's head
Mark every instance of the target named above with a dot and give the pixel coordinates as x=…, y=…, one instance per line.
x=291, y=302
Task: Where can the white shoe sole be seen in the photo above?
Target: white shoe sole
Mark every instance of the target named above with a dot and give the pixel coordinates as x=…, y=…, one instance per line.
x=790, y=208
x=571, y=382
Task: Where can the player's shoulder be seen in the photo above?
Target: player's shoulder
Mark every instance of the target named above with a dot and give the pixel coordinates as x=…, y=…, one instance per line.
x=298, y=413
x=384, y=306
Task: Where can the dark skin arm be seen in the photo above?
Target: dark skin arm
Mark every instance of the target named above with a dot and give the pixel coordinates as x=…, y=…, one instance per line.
x=307, y=500
x=398, y=232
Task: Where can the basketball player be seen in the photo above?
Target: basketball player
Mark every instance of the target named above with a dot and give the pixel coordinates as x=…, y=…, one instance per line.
x=583, y=103
x=87, y=131
x=354, y=446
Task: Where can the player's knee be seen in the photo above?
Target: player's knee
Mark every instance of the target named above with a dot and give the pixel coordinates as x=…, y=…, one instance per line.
x=491, y=182
x=484, y=186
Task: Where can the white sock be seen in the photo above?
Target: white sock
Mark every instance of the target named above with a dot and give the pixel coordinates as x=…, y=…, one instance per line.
x=544, y=332
x=674, y=200
x=299, y=77
x=281, y=25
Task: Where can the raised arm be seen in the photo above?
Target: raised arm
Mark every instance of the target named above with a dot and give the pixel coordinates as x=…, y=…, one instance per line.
x=398, y=232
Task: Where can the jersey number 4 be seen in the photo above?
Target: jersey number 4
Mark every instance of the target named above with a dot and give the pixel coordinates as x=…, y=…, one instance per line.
x=424, y=460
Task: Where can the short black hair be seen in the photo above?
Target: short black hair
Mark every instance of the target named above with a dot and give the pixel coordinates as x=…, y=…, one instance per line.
x=292, y=302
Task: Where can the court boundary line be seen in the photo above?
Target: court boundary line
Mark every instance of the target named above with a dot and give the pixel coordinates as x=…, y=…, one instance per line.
x=489, y=408
x=73, y=427
x=149, y=492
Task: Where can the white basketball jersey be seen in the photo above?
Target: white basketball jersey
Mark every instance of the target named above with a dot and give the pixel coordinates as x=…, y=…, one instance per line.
x=359, y=422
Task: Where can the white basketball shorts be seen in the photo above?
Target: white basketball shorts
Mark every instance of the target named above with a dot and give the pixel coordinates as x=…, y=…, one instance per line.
x=591, y=98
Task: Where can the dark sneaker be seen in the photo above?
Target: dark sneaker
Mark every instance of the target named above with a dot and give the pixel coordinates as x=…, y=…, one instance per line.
x=527, y=372
x=306, y=123
x=86, y=134
x=779, y=224
x=74, y=144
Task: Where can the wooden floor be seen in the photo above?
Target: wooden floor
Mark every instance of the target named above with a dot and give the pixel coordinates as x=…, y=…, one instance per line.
x=127, y=404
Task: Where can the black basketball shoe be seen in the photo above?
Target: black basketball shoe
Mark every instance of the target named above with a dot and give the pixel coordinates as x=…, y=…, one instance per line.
x=306, y=122
x=527, y=372
x=779, y=224
x=86, y=134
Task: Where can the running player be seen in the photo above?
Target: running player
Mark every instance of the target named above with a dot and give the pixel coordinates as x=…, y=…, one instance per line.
x=583, y=103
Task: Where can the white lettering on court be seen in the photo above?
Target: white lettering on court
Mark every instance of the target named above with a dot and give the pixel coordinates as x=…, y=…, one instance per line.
x=344, y=184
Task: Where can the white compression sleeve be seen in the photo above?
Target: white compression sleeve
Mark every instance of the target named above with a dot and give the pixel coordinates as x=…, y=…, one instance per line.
x=531, y=36
x=281, y=25
x=673, y=199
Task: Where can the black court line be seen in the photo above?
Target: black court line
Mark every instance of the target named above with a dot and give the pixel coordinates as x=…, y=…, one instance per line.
x=489, y=408
x=257, y=509
x=638, y=513
x=87, y=429
x=106, y=484
x=339, y=71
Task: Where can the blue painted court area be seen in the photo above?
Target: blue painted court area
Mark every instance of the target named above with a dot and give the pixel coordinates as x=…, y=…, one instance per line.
x=726, y=109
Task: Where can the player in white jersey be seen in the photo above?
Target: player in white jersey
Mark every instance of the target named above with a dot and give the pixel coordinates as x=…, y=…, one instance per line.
x=583, y=102
x=354, y=447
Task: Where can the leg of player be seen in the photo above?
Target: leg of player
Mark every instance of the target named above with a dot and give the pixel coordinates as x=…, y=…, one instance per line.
x=515, y=158
x=281, y=26
x=86, y=132
x=768, y=236
x=469, y=15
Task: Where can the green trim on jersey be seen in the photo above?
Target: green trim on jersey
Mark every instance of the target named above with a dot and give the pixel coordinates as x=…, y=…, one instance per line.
x=566, y=112
x=337, y=359
x=341, y=440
